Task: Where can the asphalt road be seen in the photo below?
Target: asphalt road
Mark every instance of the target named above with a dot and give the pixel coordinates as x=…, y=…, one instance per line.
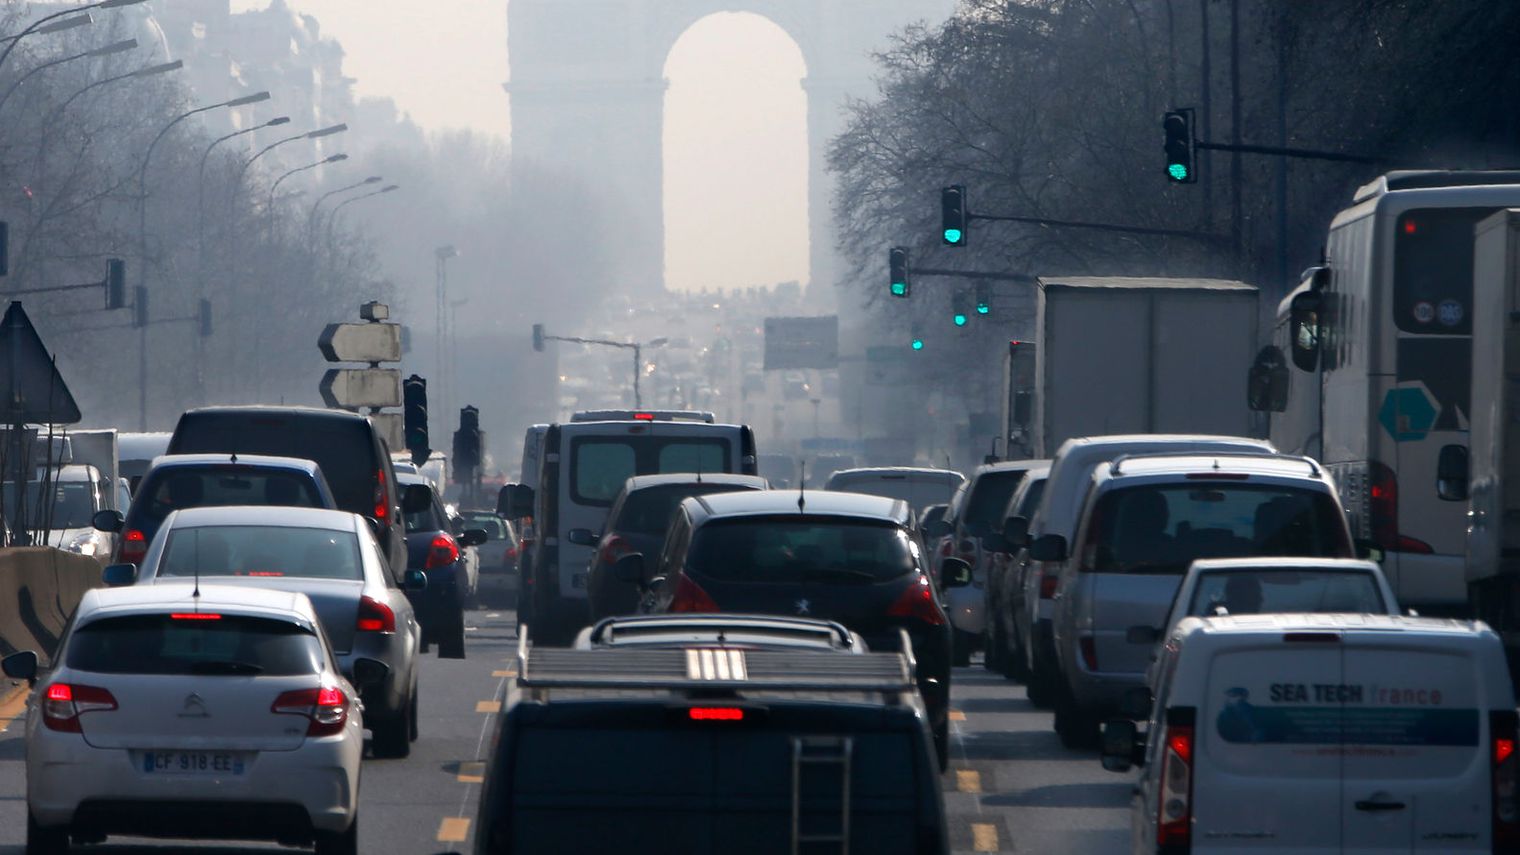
x=1011, y=787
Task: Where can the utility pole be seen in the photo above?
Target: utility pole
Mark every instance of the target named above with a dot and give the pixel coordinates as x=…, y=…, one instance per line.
x=1237, y=203
x=441, y=257
x=1206, y=110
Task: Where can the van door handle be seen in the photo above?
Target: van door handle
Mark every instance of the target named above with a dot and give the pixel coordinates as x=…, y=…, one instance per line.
x=1373, y=807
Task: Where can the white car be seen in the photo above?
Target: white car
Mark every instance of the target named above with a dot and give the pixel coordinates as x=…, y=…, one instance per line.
x=185, y=712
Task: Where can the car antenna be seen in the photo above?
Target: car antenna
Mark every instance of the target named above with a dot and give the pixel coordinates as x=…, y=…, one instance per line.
x=234, y=458
x=802, y=486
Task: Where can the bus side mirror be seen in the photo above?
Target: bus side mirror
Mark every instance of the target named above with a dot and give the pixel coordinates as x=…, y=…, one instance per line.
x=1304, y=330
x=1451, y=473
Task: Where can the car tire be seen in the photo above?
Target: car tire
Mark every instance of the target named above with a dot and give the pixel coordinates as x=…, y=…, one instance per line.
x=1077, y=727
x=415, y=730
x=942, y=743
x=339, y=842
x=1015, y=660
x=962, y=644
x=393, y=734
x=992, y=645
x=451, y=636
x=1041, y=688
x=45, y=841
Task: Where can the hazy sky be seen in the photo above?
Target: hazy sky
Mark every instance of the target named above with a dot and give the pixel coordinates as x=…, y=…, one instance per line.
x=736, y=158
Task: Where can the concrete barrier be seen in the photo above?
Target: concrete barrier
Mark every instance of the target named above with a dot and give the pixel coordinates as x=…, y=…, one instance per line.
x=39, y=590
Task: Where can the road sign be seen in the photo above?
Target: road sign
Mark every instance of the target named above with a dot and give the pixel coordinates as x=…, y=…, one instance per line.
x=1408, y=413
x=390, y=428
x=352, y=388
x=794, y=343
x=361, y=343
x=31, y=389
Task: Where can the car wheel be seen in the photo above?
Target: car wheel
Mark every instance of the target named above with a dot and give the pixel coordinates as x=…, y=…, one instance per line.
x=45, y=841
x=1077, y=727
x=393, y=734
x=451, y=636
x=1015, y=660
x=942, y=743
x=992, y=645
x=963, y=642
x=340, y=842
x=415, y=729
x=1041, y=690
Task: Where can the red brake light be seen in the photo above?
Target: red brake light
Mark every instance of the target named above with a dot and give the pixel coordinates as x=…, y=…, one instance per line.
x=1410, y=227
x=1502, y=727
x=134, y=545
x=375, y=616
x=1175, y=807
x=689, y=597
x=64, y=703
x=918, y=603
x=716, y=714
x=382, y=507
x=195, y=616
x=1049, y=582
x=326, y=708
x=644, y=417
x=1089, y=652
x=442, y=552
x=1503, y=749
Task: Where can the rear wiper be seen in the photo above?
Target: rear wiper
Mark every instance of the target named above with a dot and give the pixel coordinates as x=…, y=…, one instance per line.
x=225, y=667
x=1154, y=567
x=838, y=573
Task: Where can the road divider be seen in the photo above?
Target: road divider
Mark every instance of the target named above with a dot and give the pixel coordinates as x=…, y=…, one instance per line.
x=39, y=589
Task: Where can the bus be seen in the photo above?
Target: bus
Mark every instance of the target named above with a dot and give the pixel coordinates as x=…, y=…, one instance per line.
x=1370, y=369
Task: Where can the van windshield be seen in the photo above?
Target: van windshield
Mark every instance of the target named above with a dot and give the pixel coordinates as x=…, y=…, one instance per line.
x=989, y=498
x=818, y=549
x=1164, y=528
x=344, y=449
x=1263, y=591
x=600, y=464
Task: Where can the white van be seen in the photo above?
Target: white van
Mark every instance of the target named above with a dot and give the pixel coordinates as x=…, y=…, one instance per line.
x=1298, y=733
x=582, y=469
x=920, y=488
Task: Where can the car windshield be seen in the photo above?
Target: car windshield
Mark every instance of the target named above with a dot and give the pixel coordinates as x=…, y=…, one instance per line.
x=224, y=645
x=648, y=511
x=494, y=526
x=262, y=550
x=180, y=487
x=72, y=507
x=819, y=549
x=989, y=498
x=1163, y=529
x=1265, y=590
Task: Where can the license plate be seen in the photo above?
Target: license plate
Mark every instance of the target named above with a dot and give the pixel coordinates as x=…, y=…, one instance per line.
x=208, y=763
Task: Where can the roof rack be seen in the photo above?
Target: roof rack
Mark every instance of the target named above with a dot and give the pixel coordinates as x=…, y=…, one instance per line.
x=608, y=630
x=1116, y=464
x=708, y=668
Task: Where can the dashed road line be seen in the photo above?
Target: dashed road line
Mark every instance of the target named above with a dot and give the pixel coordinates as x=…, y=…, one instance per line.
x=504, y=673
x=453, y=829
x=488, y=706
x=957, y=715
x=968, y=780
x=984, y=837
x=472, y=773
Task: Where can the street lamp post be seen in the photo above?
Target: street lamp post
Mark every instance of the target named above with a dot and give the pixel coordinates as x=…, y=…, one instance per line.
x=337, y=158
x=47, y=123
x=311, y=219
x=441, y=257
x=142, y=222
x=45, y=25
x=332, y=219
x=309, y=135
x=638, y=356
x=114, y=47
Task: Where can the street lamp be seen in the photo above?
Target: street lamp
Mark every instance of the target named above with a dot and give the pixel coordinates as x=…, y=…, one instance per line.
x=337, y=158
x=46, y=23
x=55, y=26
x=114, y=47
x=332, y=219
x=309, y=135
x=311, y=219
x=150, y=71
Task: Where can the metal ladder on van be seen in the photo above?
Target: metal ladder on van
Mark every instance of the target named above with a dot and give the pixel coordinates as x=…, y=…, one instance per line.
x=821, y=751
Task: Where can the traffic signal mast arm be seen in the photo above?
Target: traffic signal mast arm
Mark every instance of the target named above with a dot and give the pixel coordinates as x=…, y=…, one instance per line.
x=1104, y=227
x=1306, y=153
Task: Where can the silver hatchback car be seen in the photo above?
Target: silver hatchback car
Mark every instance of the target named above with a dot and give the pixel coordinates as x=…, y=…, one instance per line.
x=331, y=557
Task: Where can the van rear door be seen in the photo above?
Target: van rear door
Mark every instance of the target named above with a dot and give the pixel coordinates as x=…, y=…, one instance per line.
x=1416, y=773
x=1267, y=759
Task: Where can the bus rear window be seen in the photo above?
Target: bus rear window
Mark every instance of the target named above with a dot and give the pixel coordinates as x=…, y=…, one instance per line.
x=1433, y=270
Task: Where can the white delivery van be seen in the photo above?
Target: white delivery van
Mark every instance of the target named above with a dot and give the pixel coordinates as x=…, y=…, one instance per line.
x=1300, y=733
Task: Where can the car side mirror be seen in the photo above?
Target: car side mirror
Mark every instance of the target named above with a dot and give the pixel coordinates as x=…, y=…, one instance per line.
x=108, y=520
x=1142, y=634
x=581, y=536
x=1048, y=547
x=630, y=568
x=1136, y=703
x=954, y=573
x=20, y=666
x=119, y=575
x=473, y=537
x=515, y=501
x=1123, y=747
x=416, y=498
x=369, y=673
x=1451, y=473
x=937, y=528
x=415, y=581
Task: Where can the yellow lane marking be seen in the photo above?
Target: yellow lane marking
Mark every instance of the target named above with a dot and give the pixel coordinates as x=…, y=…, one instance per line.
x=453, y=829
x=968, y=780
x=472, y=773
x=508, y=672
x=957, y=715
x=984, y=837
x=488, y=707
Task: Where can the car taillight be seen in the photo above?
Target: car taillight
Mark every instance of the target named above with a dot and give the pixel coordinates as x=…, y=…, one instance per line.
x=64, y=703
x=509, y=555
x=1175, y=810
x=326, y=708
x=382, y=507
x=1383, y=513
x=1503, y=732
x=375, y=616
x=134, y=545
x=442, y=552
x=918, y=603
x=716, y=714
x=1089, y=650
x=1048, y=584
x=689, y=597
x=613, y=548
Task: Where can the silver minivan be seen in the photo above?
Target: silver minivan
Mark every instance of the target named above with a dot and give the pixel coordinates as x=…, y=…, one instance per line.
x=1313, y=733
x=1145, y=521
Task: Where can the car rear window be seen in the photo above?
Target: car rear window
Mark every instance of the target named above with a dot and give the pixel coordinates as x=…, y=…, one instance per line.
x=814, y=549
x=1163, y=529
x=343, y=448
x=918, y=491
x=600, y=465
x=224, y=645
x=648, y=511
x=989, y=498
x=494, y=527
x=182, y=487
x=257, y=550
x=73, y=504
x=1031, y=499
x=1264, y=591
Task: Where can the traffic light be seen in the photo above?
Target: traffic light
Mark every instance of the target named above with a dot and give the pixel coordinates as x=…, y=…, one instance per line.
x=467, y=442
x=918, y=338
x=116, y=283
x=538, y=337
x=414, y=418
x=953, y=216
x=1180, y=147
x=203, y=318
x=984, y=299
x=897, y=261
x=960, y=312
x=139, y=307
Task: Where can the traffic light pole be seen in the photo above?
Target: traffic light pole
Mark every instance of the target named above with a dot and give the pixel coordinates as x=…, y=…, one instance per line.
x=1104, y=227
x=638, y=358
x=1304, y=153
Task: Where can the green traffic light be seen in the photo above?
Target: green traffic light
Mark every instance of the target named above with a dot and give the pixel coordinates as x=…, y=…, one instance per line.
x=983, y=309
x=960, y=319
x=918, y=344
x=1178, y=171
x=899, y=289
x=953, y=235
